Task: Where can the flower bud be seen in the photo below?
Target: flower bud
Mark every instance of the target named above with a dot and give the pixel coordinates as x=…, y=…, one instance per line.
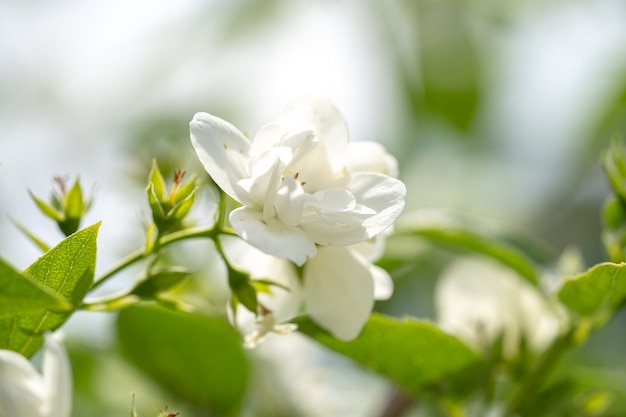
x=67, y=206
x=169, y=208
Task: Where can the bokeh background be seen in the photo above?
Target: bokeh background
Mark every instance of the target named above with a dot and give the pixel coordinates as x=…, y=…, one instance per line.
x=494, y=109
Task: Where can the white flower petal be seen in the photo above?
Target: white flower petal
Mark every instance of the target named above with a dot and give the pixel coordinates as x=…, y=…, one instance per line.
x=57, y=377
x=290, y=201
x=383, y=284
x=334, y=200
x=383, y=194
x=364, y=156
x=339, y=291
x=302, y=143
x=22, y=391
x=272, y=236
x=222, y=150
x=382, y=199
x=261, y=189
x=266, y=138
x=337, y=231
x=372, y=249
x=328, y=124
x=325, y=161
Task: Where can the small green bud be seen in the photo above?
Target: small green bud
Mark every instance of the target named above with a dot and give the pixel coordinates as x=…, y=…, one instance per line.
x=166, y=413
x=169, y=208
x=67, y=206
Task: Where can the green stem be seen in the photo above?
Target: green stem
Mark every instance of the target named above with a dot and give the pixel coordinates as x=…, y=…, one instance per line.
x=540, y=371
x=136, y=256
x=111, y=303
x=201, y=232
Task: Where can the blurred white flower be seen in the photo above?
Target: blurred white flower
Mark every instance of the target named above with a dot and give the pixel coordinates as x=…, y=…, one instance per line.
x=24, y=392
x=479, y=300
x=299, y=181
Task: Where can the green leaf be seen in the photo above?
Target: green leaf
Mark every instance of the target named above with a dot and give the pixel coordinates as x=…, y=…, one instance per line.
x=198, y=358
x=155, y=204
x=601, y=288
x=46, y=208
x=518, y=254
x=614, y=164
x=580, y=390
x=614, y=232
x=156, y=179
x=66, y=270
x=74, y=204
x=160, y=281
x=242, y=288
x=414, y=354
x=186, y=189
x=614, y=213
x=246, y=295
x=20, y=294
x=182, y=208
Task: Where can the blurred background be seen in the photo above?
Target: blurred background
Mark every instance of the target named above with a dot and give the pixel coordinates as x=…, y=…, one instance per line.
x=494, y=109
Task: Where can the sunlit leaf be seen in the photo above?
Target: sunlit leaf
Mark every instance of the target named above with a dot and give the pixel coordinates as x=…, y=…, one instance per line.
x=186, y=189
x=66, y=270
x=601, y=288
x=160, y=281
x=518, y=254
x=414, y=354
x=74, y=204
x=46, y=208
x=198, y=358
x=614, y=164
x=155, y=178
x=20, y=294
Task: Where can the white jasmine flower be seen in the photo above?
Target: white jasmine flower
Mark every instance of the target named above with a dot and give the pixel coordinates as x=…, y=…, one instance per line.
x=296, y=183
x=479, y=300
x=339, y=284
x=24, y=392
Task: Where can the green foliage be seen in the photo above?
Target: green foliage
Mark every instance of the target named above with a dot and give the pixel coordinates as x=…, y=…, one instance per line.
x=20, y=294
x=523, y=256
x=243, y=291
x=601, y=289
x=159, y=281
x=415, y=354
x=198, y=358
x=582, y=391
x=614, y=213
x=67, y=271
x=614, y=164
